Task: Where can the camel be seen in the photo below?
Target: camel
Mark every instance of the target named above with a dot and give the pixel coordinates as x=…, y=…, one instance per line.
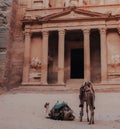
x=60, y=111
x=87, y=95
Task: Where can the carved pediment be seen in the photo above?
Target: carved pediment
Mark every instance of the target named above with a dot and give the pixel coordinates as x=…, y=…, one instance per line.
x=70, y=13
x=73, y=13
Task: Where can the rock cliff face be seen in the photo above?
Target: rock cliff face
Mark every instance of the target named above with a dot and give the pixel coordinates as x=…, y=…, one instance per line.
x=15, y=46
x=5, y=7
x=11, y=41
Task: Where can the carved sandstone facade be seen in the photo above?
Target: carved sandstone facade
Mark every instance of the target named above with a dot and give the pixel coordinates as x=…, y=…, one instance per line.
x=60, y=40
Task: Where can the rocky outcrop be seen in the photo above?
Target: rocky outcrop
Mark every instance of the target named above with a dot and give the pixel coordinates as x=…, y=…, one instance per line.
x=5, y=7
x=15, y=46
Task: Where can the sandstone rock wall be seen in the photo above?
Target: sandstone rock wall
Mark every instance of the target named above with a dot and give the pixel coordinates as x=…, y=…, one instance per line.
x=5, y=7
x=15, y=47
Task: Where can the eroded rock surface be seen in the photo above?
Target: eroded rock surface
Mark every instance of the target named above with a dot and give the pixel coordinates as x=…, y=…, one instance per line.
x=5, y=7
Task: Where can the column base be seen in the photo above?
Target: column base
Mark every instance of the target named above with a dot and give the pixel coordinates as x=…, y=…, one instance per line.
x=44, y=83
x=61, y=83
x=104, y=82
x=110, y=82
x=41, y=84
x=30, y=83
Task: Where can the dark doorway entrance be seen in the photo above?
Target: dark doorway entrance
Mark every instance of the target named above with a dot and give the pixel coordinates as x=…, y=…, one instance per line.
x=95, y=58
x=77, y=63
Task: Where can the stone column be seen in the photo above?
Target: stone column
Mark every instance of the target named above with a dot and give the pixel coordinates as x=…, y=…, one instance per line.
x=66, y=3
x=44, y=69
x=102, y=2
x=59, y=3
x=52, y=3
x=80, y=2
x=103, y=55
x=86, y=54
x=26, y=66
x=46, y=3
x=61, y=48
x=29, y=4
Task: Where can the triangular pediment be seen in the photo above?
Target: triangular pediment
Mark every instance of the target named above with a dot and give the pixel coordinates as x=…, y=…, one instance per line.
x=68, y=14
x=73, y=13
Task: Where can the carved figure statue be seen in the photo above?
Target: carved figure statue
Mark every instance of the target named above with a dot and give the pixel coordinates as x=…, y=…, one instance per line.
x=35, y=63
x=115, y=59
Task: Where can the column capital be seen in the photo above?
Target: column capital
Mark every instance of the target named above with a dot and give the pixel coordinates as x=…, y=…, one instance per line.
x=102, y=30
x=45, y=33
x=61, y=32
x=27, y=33
x=118, y=31
x=86, y=30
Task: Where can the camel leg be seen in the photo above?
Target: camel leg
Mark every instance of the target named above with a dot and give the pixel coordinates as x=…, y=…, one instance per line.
x=87, y=112
x=92, y=109
x=91, y=115
x=81, y=112
x=90, y=118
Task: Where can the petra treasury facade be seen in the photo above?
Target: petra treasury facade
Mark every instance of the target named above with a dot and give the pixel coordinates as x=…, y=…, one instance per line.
x=52, y=42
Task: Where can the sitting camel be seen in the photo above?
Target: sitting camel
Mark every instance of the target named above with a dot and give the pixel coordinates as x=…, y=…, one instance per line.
x=87, y=94
x=60, y=111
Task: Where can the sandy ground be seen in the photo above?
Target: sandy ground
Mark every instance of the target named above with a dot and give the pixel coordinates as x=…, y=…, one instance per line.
x=26, y=111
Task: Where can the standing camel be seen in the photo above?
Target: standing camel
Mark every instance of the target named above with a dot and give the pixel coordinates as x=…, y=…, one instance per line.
x=87, y=95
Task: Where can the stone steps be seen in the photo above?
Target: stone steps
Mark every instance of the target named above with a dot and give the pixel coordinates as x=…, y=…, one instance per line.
x=75, y=83
x=61, y=89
